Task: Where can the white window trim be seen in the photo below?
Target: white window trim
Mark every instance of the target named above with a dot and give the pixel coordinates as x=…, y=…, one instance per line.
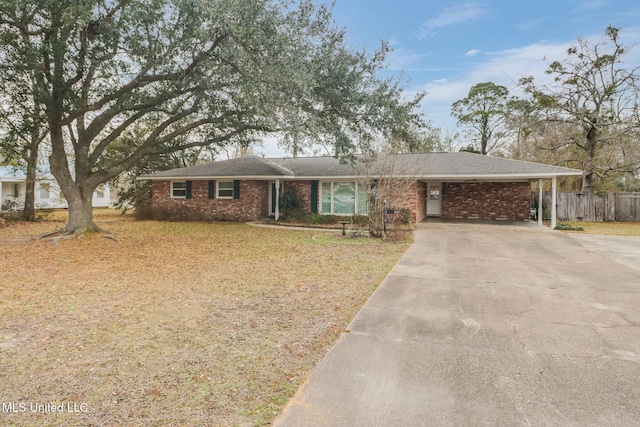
x=357, y=185
x=218, y=196
x=185, y=189
x=100, y=191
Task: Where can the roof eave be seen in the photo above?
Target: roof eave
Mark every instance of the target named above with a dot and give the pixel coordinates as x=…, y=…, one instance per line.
x=486, y=177
x=447, y=177
x=211, y=177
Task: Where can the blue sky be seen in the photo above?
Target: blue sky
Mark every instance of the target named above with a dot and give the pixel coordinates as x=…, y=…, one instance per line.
x=445, y=47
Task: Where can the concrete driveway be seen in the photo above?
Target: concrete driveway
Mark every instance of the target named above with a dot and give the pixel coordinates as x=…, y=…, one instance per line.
x=622, y=249
x=486, y=325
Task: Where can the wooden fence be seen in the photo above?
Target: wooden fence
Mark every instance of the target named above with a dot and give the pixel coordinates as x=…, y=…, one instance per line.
x=599, y=207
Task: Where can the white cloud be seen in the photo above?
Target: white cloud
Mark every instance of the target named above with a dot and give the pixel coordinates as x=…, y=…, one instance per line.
x=451, y=16
x=531, y=24
x=472, y=52
x=502, y=67
x=506, y=68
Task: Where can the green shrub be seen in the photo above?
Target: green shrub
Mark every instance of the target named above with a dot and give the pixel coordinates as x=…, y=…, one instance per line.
x=568, y=227
x=138, y=197
x=290, y=204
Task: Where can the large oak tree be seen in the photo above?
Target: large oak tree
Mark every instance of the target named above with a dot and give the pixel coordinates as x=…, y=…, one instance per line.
x=158, y=76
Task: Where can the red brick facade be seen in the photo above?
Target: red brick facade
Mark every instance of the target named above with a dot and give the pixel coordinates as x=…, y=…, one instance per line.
x=303, y=190
x=252, y=204
x=482, y=200
x=487, y=200
x=412, y=198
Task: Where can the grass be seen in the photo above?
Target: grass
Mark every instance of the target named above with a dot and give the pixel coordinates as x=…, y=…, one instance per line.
x=614, y=228
x=175, y=323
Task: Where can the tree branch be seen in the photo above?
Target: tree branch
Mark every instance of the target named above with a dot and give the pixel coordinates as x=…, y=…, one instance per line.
x=141, y=81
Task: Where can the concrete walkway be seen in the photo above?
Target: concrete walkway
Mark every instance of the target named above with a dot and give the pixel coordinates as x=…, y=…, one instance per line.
x=490, y=326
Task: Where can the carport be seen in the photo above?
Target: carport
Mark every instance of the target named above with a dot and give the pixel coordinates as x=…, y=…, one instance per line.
x=482, y=187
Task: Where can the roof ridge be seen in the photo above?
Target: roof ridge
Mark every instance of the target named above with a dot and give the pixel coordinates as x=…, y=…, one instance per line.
x=273, y=164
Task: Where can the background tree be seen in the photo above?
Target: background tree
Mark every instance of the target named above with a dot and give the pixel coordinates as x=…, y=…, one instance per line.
x=417, y=140
x=522, y=123
x=469, y=148
x=592, y=109
x=24, y=125
x=197, y=74
x=483, y=111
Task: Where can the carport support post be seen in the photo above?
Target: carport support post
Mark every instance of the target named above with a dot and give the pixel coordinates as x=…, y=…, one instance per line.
x=540, y=212
x=553, y=202
x=277, y=212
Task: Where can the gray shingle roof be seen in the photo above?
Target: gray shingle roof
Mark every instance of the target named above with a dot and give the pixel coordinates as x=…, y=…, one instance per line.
x=248, y=166
x=418, y=165
x=476, y=164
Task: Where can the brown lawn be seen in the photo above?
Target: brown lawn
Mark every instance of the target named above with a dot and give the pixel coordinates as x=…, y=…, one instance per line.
x=175, y=323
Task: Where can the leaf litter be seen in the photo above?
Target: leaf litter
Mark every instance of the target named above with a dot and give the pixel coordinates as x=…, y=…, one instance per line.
x=174, y=323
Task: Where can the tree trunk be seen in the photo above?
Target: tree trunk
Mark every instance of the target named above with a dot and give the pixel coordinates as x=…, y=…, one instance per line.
x=484, y=137
x=588, y=178
x=77, y=191
x=80, y=215
x=591, y=146
x=29, y=211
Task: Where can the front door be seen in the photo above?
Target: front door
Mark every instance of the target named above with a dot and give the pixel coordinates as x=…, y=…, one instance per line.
x=434, y=199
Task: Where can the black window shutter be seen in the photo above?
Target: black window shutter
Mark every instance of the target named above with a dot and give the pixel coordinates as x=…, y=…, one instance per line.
x=236, y=189
x=314, y=196
x=212, y=189
x=188, y=189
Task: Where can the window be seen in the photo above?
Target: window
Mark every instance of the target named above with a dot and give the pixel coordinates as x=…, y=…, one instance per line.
x=363, y=203
x=100, y=192
x=326, y=197
x=225, y=189
x=44, y=190
x=16, y=190
x=344, y=198
x=179, y=189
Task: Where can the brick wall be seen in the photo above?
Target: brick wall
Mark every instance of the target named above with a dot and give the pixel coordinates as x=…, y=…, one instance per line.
x=421, y=208
x=409, y=196
x=303, y=190
x=487, y=200
x=252, y=205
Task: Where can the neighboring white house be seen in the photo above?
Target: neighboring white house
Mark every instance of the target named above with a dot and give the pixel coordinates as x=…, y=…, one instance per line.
x=47, y=192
